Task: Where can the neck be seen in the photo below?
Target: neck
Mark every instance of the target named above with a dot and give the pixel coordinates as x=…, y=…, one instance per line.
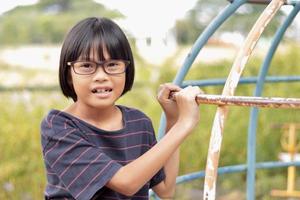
x=104, y=118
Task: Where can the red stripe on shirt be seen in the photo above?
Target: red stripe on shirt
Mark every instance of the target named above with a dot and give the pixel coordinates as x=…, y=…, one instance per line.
x=59, y=141
x=119, y=136
x=74, y=162
x=82, y=171
x=57, y=186
x=65, y=152
x=140, y=119
x=94, y=178
x=124, y=148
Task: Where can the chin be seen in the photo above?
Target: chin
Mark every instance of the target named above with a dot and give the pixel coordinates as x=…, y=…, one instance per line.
x=102, y=105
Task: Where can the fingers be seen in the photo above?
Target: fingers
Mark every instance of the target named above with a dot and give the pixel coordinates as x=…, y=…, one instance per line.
x=165, y=90
x=188, y=94
x=188, y=107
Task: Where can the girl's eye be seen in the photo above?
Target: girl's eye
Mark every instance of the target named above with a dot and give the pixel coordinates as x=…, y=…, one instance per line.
x=86, y=65
x=112, y=64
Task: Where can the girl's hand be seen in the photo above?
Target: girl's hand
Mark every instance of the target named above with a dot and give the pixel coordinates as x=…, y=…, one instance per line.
x=168, y=105
x=188, y=108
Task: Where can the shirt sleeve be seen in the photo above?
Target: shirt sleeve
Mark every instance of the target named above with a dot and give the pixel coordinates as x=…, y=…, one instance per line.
x=160, y=175
x=82, y=168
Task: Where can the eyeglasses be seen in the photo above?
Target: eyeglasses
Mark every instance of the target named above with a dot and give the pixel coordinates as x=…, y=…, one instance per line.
x=111, y=67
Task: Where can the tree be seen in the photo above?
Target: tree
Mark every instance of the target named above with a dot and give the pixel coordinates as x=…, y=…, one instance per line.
x=47, y=21
x=188, y=29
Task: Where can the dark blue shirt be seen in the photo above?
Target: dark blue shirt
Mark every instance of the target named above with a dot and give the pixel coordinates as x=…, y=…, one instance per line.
x=81, y=158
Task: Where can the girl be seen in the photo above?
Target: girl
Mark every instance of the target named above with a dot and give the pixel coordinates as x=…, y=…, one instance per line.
x=95, y=149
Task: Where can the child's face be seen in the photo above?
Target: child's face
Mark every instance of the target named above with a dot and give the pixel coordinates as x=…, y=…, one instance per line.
x=99, y=90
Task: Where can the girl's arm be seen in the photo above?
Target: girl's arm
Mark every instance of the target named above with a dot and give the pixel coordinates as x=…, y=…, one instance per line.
x=130, y=178
x=166, y=188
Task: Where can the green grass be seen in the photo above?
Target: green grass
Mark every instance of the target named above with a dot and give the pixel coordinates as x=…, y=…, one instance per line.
x=21, y=164
x=22, y=174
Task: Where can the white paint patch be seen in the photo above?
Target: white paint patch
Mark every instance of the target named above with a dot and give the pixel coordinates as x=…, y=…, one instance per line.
x=262, y=29
x=234, y=79
x=222, y=118
x=216, y=137
x=252, y=46
x=243, y=64
x=209, y=193
x=210, y=164
x=271, y=10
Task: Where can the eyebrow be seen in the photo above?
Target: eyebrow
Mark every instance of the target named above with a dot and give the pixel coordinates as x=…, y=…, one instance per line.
x=91, y=57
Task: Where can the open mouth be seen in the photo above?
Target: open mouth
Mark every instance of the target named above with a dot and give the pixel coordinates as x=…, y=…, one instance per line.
x=97, y=91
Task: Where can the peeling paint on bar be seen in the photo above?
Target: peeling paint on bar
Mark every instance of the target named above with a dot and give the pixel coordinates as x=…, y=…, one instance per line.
x=265, y=102
x=287, y=2
x=229, y=88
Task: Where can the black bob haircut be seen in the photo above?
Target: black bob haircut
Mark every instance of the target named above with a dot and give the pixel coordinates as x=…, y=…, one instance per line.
x=94, y=35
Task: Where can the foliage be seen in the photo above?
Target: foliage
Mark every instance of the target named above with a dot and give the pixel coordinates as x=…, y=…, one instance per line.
x=47, y=21
x=194, y=150
x=22, y=174
x=188, y=29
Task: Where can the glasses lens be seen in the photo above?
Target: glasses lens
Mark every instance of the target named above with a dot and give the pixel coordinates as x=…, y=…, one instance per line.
x=115, y=66
x=85, y=67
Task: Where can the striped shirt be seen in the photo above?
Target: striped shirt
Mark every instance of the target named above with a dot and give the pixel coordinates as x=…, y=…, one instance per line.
x=81, y=158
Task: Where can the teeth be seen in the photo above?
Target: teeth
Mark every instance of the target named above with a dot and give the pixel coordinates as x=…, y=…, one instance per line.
x=101, y=90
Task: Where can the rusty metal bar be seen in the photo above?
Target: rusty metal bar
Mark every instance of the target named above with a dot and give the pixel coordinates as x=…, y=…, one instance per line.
x=248, y=101
x=264, y=102
x=266, y=2
x=255, y=1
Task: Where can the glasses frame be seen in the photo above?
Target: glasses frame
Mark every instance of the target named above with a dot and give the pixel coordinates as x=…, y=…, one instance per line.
x=102, y=63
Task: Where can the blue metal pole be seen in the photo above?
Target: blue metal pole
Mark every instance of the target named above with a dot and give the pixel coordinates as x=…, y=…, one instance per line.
x=236, y=169
x=287, y=2
x=251, y=150
x=203, y=38
x=200, y=42
x=243, y=80
x=293, y=2
x=233, y=169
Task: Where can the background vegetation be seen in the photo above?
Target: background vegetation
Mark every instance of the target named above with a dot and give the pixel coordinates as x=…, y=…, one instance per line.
x=22, y=174
x=47, y=21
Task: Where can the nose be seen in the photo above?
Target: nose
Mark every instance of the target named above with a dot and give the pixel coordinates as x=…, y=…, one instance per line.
x=100, y=74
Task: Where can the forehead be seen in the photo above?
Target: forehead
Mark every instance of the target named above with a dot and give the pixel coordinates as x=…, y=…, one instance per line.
x=95, y=53
x=101, y=46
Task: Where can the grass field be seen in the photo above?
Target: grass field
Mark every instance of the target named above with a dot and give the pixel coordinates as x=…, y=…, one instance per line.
x=22, y=174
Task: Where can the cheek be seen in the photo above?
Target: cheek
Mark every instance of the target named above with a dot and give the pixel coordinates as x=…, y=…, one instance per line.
x=77, y=84
x=120, y=82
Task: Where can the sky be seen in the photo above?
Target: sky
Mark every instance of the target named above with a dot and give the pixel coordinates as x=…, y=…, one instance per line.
x=6, y=5
x=144, y=19
x=151, y=17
